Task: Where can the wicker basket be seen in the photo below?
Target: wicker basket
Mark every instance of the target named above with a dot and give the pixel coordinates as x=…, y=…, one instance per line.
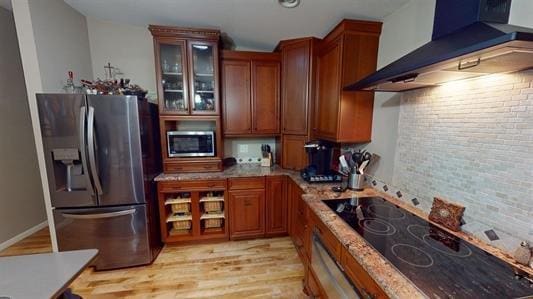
x=213, y=206
x=181, y=225
x=182, y=207
x=212, y=223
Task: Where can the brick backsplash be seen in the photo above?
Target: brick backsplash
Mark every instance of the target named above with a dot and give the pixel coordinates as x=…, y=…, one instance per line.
x=472, y=143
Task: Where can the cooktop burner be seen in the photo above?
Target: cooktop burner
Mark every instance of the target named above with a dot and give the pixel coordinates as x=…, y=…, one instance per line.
x=377, y=226
x=413, y=256
x=438, y=263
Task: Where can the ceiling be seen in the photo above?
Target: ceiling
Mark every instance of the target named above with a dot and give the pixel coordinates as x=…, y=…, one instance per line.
x=251, y=24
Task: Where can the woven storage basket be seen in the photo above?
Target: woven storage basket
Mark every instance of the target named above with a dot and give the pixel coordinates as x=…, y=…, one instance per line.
x=182, y=207
x=213, y=206
x=181, y=225
x=212, y=223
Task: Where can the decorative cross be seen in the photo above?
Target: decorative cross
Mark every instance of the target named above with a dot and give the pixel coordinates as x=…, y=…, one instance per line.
x=109, y=69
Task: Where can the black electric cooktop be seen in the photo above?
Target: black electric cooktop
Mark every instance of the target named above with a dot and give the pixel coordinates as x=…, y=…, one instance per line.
x=438, y=263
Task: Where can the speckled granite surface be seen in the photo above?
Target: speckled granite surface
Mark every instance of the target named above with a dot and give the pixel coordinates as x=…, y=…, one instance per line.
x=383, y=272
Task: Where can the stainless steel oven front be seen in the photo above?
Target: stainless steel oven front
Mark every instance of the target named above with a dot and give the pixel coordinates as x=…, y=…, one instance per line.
x=191, y=144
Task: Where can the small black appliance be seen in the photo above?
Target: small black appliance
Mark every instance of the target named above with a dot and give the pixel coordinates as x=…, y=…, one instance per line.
x=319, y=170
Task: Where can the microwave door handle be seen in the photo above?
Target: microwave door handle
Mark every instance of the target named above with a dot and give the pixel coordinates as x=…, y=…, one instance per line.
x=83, y=150
x=99, y=215
x=92, y=154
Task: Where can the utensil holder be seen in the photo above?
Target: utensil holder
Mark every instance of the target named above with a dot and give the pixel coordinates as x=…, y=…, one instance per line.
x=356, y=181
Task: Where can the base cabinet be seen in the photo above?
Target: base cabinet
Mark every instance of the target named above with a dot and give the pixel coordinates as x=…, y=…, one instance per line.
x=298, y=229
x=276, y=206
x=247, y=214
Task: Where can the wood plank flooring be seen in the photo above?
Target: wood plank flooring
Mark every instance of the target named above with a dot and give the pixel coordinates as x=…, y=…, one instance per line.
x=262, y=268
x=36, y=243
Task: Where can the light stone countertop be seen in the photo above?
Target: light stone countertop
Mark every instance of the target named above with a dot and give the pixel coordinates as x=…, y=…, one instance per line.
x=393, y=283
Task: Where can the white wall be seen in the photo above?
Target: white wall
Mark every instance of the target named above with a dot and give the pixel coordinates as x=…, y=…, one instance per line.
x=251, y=150
x=521, y=11
x=53, y=40
x=21, y=202
x=403, y=31
x=402, y=166
x=62, y=43
x=127, y=47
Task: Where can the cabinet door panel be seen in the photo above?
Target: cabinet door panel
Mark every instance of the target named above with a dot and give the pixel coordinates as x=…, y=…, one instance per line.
x=295, y=88
x=293, y=152
x=247, y=210
x=265, y=99
x=203, y=63
x=171, y=73
x=328, y=93
x=276, y=206
x=236, y=97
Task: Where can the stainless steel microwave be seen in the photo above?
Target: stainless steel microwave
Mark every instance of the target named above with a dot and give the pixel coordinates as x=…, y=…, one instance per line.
x=191, y=143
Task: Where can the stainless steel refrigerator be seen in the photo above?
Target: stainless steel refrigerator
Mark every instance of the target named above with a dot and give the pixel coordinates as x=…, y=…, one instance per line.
x=102, y=153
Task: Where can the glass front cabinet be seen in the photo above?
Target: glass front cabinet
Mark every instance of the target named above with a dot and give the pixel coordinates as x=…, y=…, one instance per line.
x=186, y=71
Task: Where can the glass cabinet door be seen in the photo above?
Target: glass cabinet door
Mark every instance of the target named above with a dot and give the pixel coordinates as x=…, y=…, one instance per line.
x=203, y=78
x=173, y=78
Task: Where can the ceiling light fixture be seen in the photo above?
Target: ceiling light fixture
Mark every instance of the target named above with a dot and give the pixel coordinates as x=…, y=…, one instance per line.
x=289, y=3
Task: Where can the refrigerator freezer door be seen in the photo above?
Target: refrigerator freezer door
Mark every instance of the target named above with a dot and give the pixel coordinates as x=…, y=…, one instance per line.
x=63, y=129
x=114, y=143
x=119, y=233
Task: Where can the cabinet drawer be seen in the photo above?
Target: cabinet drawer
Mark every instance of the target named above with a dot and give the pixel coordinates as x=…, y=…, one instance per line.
x=246, y=183
x=360, y=278
x=328, y=238
x=193, y=166
x=192, y=185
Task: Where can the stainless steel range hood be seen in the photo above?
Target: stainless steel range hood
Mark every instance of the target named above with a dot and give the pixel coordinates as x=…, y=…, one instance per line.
x=471, y=38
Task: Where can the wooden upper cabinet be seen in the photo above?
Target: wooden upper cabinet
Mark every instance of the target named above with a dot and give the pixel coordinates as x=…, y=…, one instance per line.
x=297, y=65
x=251, y=93
x=294, y=155
x=348, y=53
x=328, y=91
x=186, y=62
x=203, y=77
x=265, y=97
x=236, y=97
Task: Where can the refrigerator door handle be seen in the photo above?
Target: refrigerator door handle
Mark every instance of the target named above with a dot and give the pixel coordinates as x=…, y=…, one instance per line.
x=92, y=154
x=99, y=215
x=83, y=150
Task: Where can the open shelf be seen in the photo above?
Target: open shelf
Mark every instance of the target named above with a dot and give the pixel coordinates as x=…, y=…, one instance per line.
x=211, y=199
x=213, y=216
x=172, y=218
x=170, y=201
x=193, y=211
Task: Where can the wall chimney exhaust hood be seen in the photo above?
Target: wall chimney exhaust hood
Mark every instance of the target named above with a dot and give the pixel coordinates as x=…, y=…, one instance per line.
x=471, y=38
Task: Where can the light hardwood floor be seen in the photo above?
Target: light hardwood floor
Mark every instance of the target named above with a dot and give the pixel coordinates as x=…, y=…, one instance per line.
x=262, y=268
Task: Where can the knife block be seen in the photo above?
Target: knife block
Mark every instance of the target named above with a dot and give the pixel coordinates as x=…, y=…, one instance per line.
x=267, y=161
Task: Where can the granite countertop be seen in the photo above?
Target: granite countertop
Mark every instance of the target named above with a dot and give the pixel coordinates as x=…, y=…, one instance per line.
x=393, y=283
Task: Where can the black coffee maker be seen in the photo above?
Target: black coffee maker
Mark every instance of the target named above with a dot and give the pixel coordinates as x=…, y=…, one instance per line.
x=319, y=170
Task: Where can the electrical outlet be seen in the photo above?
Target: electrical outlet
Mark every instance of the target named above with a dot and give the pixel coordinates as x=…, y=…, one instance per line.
x=243, y=148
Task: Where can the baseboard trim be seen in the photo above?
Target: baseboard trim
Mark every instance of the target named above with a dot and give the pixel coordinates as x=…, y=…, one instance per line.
x=23, y=235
